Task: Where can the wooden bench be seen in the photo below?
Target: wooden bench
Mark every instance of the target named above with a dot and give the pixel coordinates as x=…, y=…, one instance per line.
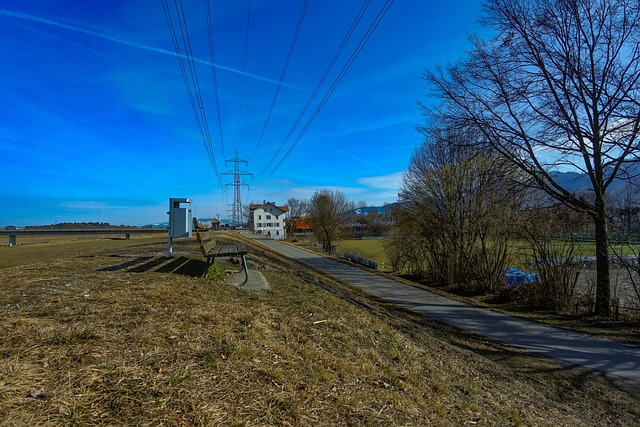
x=211, y=249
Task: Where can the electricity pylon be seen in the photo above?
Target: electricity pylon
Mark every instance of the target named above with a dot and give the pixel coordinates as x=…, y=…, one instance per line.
x=236, y=214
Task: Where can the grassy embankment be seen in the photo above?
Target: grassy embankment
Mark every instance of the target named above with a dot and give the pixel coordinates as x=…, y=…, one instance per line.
x=116, y=334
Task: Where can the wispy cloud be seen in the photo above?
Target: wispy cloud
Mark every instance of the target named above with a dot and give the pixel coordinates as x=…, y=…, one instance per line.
x=365, y=150
x=45, y=21
x=391, y=181
x=369, y=126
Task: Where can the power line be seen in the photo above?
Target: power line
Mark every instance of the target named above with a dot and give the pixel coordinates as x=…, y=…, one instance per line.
x=244, y=67
x=195, y=96
x=327, y=70
x=374, y=25
x=282, y=74
x=196, y=84
x=343, y=72
x=191, y=79
x=213, y=73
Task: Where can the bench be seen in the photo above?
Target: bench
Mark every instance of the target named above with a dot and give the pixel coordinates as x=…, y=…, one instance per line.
x=202, y=225
x=211, y=249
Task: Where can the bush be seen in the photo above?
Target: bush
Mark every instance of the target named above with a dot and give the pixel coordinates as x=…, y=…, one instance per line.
x=555, y=260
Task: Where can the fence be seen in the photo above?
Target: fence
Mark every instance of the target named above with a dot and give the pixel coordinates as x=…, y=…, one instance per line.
x=359, y=260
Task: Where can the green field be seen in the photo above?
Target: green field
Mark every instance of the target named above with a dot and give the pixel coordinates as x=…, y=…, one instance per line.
x=374, y=250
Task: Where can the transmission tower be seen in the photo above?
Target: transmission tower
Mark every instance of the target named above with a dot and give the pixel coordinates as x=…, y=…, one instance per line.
x=236, y=215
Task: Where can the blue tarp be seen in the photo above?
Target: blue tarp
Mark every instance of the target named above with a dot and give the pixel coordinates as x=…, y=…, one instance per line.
x=515, y=276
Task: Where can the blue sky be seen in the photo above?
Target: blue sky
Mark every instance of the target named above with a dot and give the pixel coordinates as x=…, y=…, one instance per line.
x=96, y=121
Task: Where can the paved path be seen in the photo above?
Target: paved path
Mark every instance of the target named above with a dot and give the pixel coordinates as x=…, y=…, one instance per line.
x=571, y=347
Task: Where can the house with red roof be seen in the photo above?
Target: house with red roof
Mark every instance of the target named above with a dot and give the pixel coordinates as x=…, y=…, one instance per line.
x=268, y=219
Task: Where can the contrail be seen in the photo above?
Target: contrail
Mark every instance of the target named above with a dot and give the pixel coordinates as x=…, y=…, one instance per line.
x=37, y=19
x=358, y=158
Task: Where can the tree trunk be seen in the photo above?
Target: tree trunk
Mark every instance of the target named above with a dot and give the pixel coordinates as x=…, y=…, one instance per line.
x=603, y=284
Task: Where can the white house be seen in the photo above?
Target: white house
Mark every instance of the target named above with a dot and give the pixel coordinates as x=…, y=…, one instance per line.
x=269, y=219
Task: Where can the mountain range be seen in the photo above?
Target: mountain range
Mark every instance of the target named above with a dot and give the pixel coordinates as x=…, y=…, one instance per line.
x=580, y=183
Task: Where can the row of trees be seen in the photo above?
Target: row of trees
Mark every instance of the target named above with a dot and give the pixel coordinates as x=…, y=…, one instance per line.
x=455, y=218
x=558, y=86
x=465, y=214
x=75, y=225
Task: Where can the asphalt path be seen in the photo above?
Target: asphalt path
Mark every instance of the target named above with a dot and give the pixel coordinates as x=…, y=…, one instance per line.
x=575, y=349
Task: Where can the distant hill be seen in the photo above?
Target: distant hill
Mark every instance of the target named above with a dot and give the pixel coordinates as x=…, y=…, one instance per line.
x=157, y=225
x=572, y=181
x=577, y=182
x=365, y=210
x=166, y=224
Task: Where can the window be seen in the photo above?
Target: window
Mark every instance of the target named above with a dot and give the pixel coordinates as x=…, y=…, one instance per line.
x=259, y=216
x=268, y=216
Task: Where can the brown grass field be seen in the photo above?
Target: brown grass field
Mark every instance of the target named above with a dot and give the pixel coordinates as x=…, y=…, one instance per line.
x=110, y=332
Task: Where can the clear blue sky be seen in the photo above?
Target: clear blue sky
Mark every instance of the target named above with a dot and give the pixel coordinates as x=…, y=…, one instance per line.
x=96, y=121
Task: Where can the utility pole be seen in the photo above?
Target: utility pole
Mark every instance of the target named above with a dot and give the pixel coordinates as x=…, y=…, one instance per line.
x=236, y=216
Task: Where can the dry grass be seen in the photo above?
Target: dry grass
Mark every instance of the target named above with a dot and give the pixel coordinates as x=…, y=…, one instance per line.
x=128, y=337
x=47, y=248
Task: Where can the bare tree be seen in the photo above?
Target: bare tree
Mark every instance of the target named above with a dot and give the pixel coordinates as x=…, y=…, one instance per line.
x=405, y=247
x=460, y=206
x=327, y=208
x=625, y=249
x=558, y=86
x=297, y=208
x=624, y=207
x=555, y=259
